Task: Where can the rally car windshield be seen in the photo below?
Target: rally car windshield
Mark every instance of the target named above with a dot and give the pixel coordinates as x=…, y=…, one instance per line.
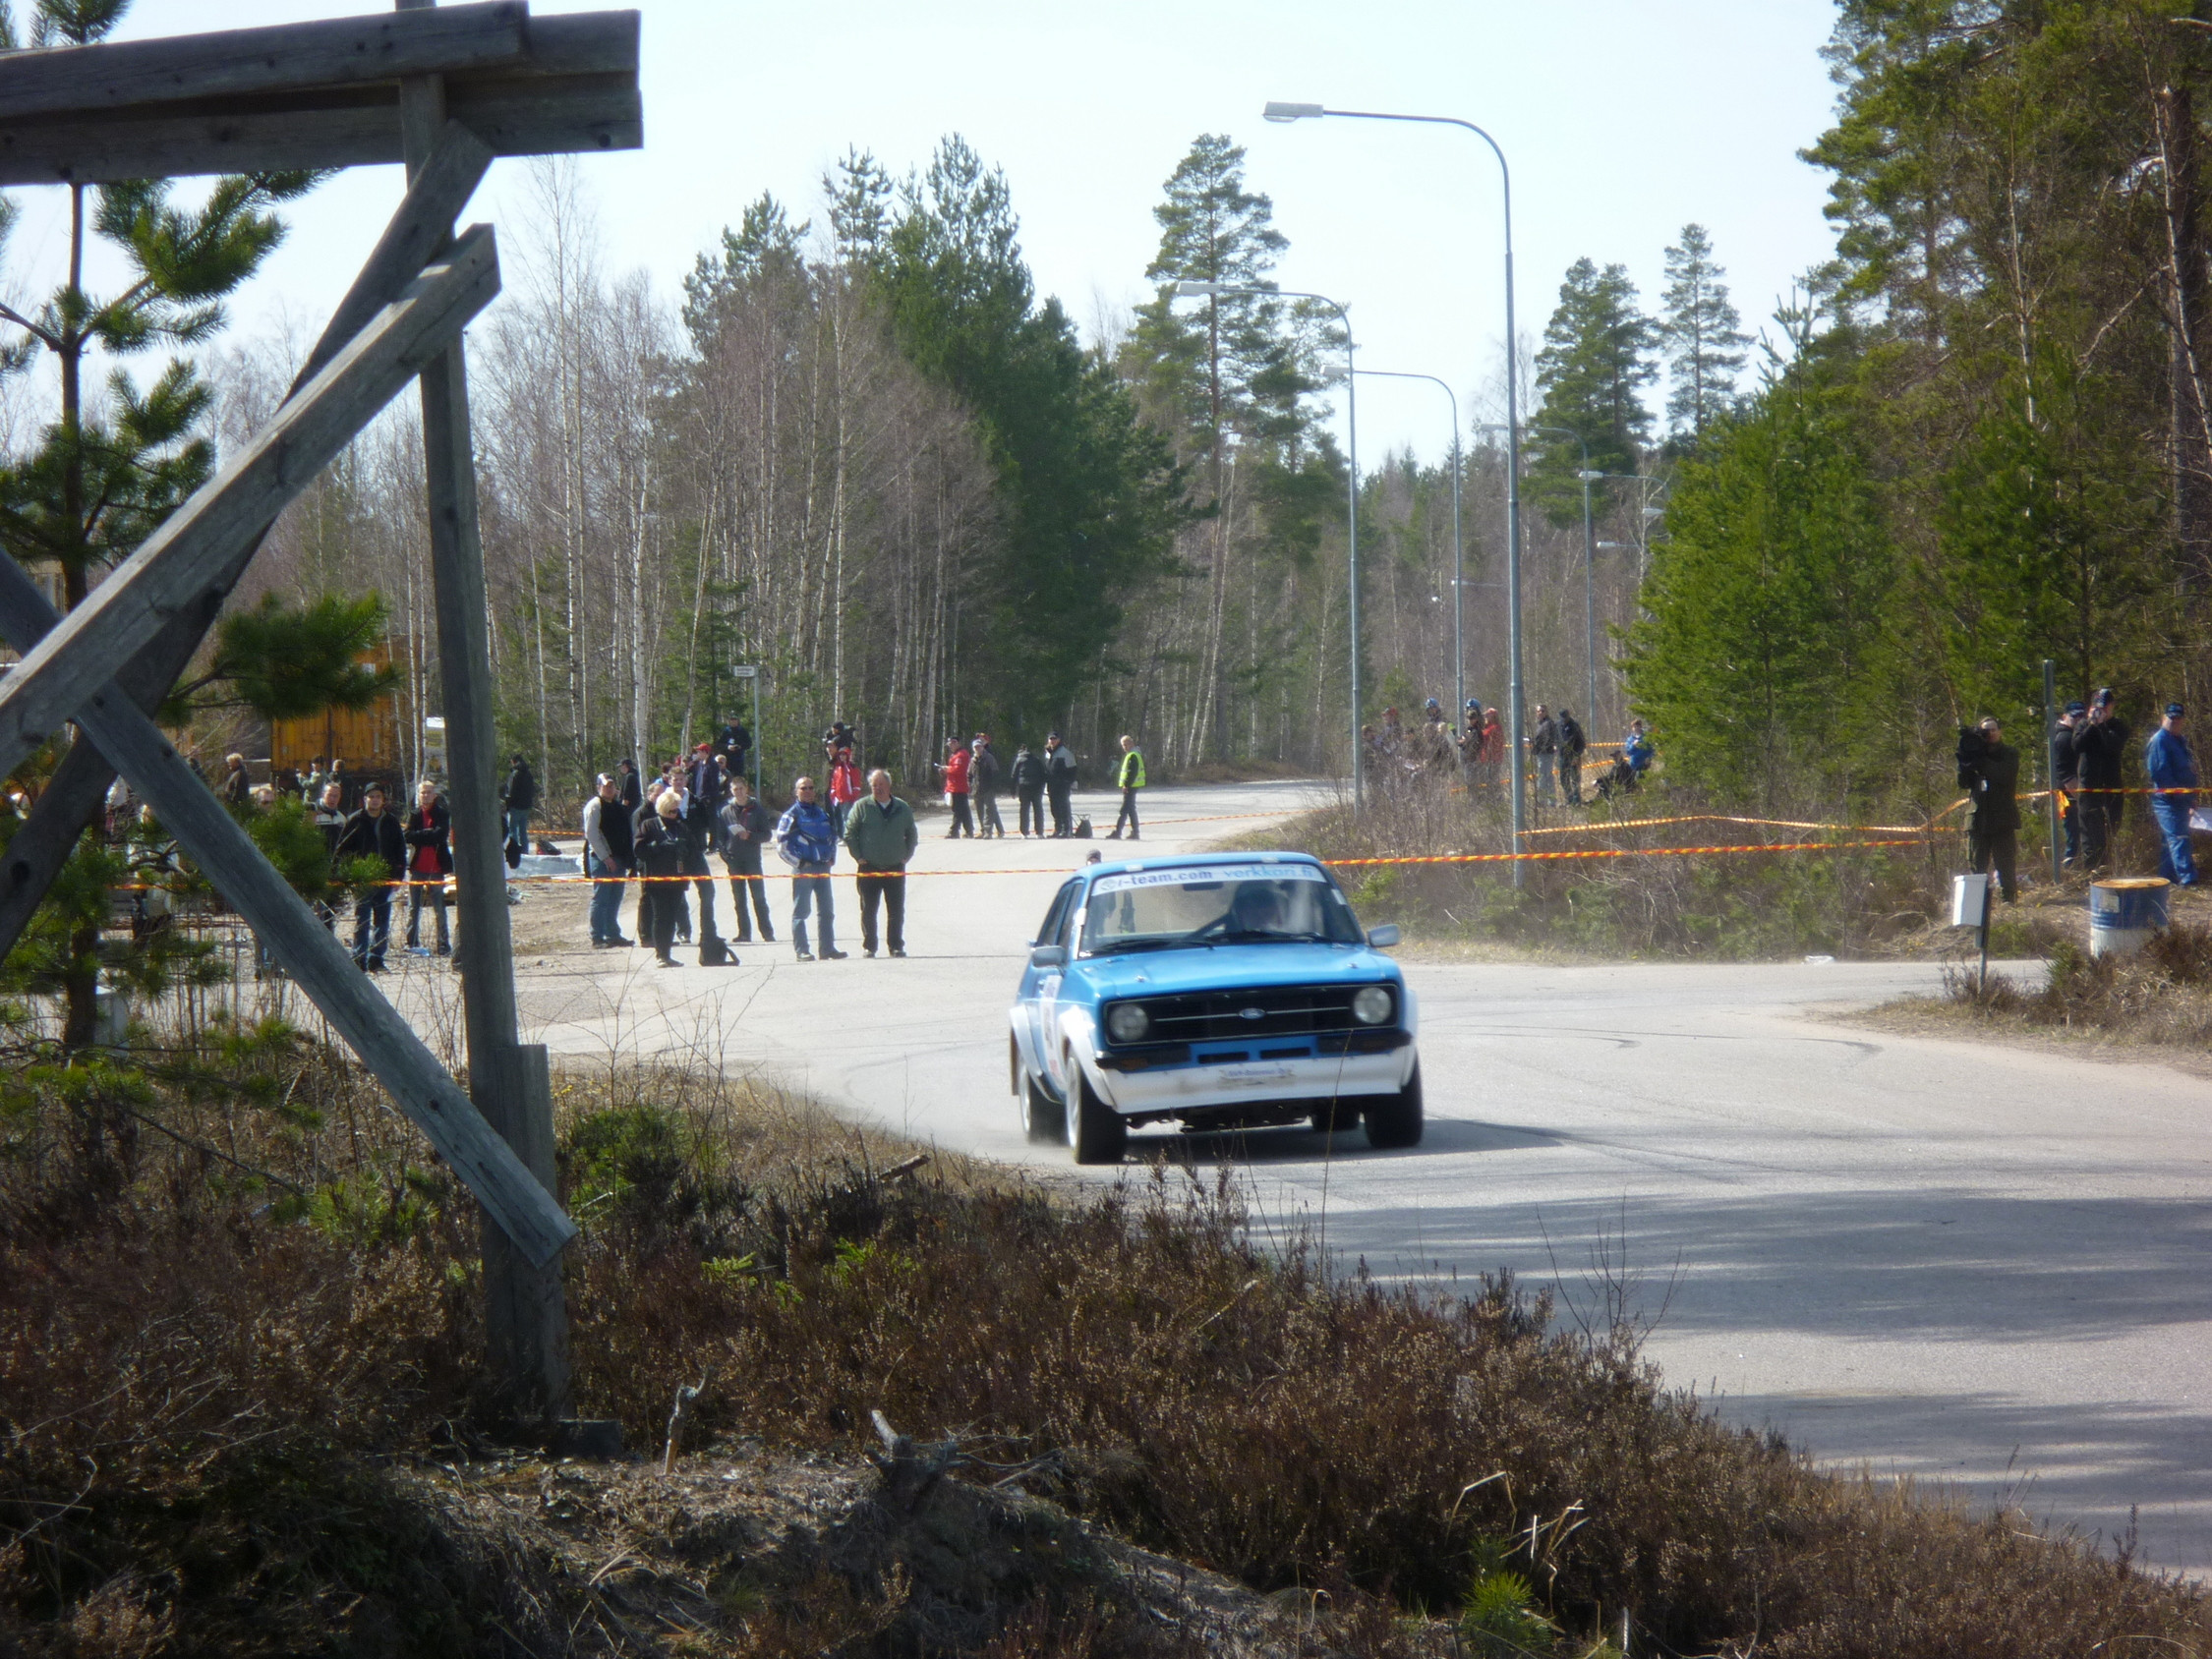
x=1215, y=905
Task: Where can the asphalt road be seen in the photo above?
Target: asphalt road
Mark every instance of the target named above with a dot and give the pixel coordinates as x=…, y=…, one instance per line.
x=1934, y=1258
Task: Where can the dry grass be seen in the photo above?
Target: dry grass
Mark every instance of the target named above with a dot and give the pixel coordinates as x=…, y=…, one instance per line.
x=234, y=1368
x=2162, y=996
x=1858, y=900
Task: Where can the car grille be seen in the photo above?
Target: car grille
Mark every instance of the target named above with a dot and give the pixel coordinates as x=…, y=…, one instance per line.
x=1214, y=1016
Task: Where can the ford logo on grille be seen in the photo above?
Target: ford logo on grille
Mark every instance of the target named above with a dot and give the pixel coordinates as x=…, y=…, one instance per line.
x=1252, y=1013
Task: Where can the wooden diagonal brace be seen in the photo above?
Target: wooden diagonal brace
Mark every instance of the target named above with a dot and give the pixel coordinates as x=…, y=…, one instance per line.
x=422, y=226
x=523, y=1209
x=180, y=567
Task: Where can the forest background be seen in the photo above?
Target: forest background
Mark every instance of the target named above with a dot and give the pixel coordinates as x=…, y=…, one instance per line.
x=860, y=451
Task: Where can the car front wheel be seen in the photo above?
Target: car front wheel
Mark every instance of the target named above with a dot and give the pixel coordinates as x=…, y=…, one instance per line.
x=1395, y=1120
x=1043, y=1120
x=1095, y=1131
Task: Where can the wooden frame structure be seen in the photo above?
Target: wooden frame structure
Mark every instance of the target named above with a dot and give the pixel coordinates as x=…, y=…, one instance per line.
x=446, y=90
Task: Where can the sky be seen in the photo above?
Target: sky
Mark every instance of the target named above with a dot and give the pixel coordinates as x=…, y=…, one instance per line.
x=1622, y=120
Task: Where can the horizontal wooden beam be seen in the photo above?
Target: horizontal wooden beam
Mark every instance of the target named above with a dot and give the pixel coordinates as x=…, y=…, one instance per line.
x=181, y=566
x=310, y=953
x=42, y=845
x=573, y=89
x=111, y=77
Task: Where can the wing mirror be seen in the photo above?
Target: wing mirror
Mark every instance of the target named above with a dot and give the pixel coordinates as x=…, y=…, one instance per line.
x=1383, y=937
x=1049, y=956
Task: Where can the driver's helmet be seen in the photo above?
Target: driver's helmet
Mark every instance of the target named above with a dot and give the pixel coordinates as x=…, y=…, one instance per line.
x=1257, y=904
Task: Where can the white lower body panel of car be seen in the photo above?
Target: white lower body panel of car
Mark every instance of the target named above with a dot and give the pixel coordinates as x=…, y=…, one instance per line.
x=1192, y=1088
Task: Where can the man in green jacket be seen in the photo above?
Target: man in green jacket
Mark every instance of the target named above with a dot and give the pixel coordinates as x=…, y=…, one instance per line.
x=880, y=834
x=1130, y=777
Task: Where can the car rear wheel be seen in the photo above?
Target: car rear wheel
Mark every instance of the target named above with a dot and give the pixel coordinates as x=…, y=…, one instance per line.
x=1396, y=1119
x=1095, y=1131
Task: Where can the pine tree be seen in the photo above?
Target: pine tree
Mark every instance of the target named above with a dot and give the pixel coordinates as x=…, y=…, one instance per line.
x=1704, y=338
x=1090, y=498
x=1596, y=362
x=108, y=470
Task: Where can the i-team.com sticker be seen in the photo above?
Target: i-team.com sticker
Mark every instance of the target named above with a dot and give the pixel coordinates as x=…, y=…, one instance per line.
x=1189, y=875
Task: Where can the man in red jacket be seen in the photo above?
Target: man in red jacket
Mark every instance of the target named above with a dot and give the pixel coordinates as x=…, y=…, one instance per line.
x=955, y=767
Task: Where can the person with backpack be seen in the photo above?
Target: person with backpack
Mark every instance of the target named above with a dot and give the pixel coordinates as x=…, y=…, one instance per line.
x=1128, y=776
x=1029, y=789
x=1572, y=743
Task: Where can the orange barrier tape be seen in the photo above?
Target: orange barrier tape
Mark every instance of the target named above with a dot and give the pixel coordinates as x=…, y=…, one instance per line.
x=1722, y=818
x=1609, y=852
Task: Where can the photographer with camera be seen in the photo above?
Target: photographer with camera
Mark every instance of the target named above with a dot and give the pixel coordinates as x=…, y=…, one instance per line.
x=1989, y=770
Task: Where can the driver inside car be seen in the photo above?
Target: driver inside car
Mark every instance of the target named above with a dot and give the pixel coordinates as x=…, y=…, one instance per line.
x=1256, y=909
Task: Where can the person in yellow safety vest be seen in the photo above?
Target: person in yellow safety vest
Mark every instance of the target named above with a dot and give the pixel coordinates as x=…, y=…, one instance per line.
x=1130, y=777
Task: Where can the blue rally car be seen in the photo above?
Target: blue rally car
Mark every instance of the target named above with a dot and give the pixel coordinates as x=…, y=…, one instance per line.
x=1220, y=992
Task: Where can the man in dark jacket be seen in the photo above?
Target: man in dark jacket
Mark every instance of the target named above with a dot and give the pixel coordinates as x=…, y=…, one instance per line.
x=983, y=786
x=1060, y=784
x=735, y=742
x=430, y=860
x=1572, y=742
x=880, y=834
x=607, y=852
x=704, y=789
x=628, y=790
x=2065, y=776
x=1991, y=770
x=2100, y=745
x=1028, y=788
x=1544, y=745
x=519, y=796
x=372, y=832
x=745, y=829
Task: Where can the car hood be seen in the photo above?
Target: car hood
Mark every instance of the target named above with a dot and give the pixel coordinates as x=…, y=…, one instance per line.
x=1157, y=973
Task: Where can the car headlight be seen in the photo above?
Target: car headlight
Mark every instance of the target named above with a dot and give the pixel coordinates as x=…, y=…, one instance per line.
x=1371, y=1004
x=1128, y=1023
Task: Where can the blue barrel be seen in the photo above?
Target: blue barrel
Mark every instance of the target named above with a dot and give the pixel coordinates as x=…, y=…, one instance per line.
x=2123, y=914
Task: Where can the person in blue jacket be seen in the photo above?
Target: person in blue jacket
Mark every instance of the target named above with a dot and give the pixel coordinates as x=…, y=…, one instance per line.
x=2173, y=771
x=808, y=838
x=1637, y=751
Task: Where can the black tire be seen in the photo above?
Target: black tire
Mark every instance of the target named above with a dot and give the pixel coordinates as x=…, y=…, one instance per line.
x=1095, y=1131
x=1395, y=1120
x=1339, y=1117
x=1043, y=1120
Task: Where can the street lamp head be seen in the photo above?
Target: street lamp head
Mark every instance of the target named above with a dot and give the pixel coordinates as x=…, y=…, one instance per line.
x=1616, y=543
x=1589, y=477
x=1292, y=111
x=1196, y=290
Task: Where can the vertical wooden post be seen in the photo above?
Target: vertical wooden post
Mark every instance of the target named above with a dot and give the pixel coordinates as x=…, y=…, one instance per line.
x=526, y=1313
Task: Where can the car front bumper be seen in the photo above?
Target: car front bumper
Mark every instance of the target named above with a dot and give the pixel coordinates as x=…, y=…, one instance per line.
x=1174, y=1090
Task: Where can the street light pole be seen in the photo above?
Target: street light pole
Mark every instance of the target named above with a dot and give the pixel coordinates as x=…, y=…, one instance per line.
x=1459, y=572
x=1215, y=290
x=1313, y=111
